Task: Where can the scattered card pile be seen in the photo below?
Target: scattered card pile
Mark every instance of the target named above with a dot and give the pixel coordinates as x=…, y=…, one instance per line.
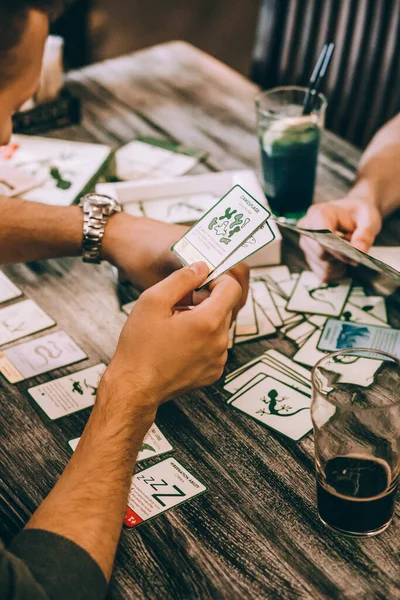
x=275, y=389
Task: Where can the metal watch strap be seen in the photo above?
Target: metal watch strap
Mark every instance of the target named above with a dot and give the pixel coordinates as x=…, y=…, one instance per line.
x=95, y=220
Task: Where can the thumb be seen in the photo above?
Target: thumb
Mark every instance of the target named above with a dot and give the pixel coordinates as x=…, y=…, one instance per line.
x=181, y=283
x=367, y=228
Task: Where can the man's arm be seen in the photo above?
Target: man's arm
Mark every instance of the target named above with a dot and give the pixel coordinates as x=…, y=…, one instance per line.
x=374, y=196
x=173, y=352
x=139, y=247
x=32, y=231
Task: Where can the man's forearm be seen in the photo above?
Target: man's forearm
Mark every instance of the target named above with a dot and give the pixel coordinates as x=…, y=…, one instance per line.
x=32, y=231
x=378, y=175
x=88, y=502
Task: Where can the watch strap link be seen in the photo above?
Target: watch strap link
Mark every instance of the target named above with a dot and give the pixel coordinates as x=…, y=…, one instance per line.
x=95, y=221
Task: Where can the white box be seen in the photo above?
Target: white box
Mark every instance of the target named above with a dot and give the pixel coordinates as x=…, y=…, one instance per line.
x=131, y=193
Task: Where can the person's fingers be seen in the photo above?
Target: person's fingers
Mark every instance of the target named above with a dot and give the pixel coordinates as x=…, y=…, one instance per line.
x=241, y=273
x=367, y=228
x=177, y=286
x=225, y=295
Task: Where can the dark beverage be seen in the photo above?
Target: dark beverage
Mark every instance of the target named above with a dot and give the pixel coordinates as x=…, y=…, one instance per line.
x=289, y=161
x=357, y=495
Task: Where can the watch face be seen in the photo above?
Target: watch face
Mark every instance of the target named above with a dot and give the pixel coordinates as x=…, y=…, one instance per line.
x=100, y=201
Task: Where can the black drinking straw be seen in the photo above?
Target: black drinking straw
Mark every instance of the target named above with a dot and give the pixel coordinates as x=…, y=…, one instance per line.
x=317, y=77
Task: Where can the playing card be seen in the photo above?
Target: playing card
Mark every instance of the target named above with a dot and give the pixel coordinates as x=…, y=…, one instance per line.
x=154, y=444
x=358, y=291
x=373, y=305
x=180, y=209
x=273, y=370
x=263, y=298
x=222, y=230
x=303, y=329
x=246, y=321
x=285, y=364
x=8, y=291
x=312, y=296
x=270, y=274
x=265, y=327
x=246, y=386
x=39, y=356
x=158, y=489
x=15, y=182
x=22, y=319
x=142, y=159
x=69, y=394
x=127, y=308
x=338, y=335
x=262, y=237
x=356, y=314
x=338, y=245
x=278, y=406
x=309, y=354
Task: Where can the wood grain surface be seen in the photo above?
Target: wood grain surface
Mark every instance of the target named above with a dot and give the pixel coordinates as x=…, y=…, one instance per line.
x=256, y=533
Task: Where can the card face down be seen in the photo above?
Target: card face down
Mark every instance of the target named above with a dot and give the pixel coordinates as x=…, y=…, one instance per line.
x=312, y=296
x=222, y=230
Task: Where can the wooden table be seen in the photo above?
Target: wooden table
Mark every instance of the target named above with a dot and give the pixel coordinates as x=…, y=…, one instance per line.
x=256, y=533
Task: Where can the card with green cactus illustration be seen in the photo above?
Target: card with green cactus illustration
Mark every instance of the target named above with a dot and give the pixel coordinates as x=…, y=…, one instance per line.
x=222, y=230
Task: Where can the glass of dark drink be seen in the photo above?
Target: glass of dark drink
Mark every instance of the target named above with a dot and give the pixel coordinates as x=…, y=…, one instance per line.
x=356, y=416
x=289, y=143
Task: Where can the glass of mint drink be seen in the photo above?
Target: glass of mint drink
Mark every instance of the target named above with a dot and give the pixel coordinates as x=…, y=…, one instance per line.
x=289, y=143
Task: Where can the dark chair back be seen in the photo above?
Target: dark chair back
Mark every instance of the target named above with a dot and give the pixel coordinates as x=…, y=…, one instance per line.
x=363, y=82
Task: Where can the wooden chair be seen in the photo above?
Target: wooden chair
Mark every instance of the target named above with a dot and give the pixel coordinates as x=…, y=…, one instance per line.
x=363, y=83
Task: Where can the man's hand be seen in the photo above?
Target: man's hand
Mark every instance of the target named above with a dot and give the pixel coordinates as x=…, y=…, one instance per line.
x=358, y=219
x=163, y=352
x=140, y=248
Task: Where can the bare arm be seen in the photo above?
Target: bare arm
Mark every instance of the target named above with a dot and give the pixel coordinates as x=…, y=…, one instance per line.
x=32, y=231
x=378, y=172
x=87, y=504
x=374, y=196
x=173, y=353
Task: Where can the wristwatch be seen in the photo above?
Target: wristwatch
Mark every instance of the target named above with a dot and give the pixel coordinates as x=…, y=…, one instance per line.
x=97, y=209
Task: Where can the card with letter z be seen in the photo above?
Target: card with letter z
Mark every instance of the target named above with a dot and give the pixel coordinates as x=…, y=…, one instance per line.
x=222, y=230
x=157, y=489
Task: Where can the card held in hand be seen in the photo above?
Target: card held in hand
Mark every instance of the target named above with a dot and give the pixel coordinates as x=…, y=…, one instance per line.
x=222, y=230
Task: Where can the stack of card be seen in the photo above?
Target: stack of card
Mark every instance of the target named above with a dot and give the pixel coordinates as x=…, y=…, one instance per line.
x=274, y=390
x=273, y=386
x=233, y=229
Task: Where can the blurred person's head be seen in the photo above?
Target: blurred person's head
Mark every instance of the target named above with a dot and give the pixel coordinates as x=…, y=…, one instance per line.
x=24, y=26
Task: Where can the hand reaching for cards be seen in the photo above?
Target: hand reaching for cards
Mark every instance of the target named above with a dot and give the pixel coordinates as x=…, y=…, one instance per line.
x=357, y=218
x=140, y=248
x=162, y=352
